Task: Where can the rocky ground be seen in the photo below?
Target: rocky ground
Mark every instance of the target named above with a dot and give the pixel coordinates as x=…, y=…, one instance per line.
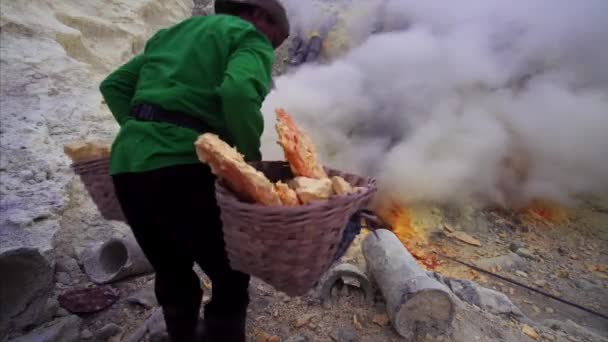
x=567, y=260
x=49, y=99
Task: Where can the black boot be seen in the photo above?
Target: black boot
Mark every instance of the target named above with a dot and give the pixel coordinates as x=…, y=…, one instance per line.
x=229, y=328
x=181, y=322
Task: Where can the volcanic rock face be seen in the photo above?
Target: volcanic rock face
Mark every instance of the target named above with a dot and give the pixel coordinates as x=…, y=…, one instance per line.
x=53, y=56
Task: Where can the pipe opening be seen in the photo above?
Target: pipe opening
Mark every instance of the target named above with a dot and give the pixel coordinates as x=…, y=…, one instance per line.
x=113, y=256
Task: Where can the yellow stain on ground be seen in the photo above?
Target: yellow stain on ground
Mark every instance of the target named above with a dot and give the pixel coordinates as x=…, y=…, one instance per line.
x=546, y=212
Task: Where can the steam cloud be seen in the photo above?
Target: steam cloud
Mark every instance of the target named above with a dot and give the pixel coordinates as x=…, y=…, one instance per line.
x=492, y=100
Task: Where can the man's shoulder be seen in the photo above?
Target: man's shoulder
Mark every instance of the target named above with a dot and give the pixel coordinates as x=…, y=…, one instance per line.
x=222, y=21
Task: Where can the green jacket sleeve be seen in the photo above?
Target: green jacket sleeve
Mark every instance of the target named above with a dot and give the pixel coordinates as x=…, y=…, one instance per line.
x=119, y=88
x=244, y=87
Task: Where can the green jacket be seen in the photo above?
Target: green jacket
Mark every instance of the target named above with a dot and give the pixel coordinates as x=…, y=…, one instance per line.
x=217, y=68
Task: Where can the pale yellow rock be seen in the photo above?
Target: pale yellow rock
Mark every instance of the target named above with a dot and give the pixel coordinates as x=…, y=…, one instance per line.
x=464, y=237
x=286, y=194
x=529, y=331
x=83, y=150
x=341, y=186
x=228, y=164
x=310, y=190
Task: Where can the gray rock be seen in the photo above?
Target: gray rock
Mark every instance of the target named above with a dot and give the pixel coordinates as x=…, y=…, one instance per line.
x=67, y=264
x=61, y=312
x=50, y=310
x=487, y=299
x=145, y=297
x=158, y=330
x=52, y=306
x=154, y=325
x=553, y=324
x=86, y=334
x=521, y=274
x=65, y=329
x=108, y=331
x=63, y=278
x=27, y=281
x=26, y=175
x=515, y=245
x=573, y=329
x=526, y=253
x=297, y=339
x=583, y=284
x=346, y=334
x=504, y=262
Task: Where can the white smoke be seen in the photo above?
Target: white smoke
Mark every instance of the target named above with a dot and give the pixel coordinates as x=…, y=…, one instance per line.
x=488, y=99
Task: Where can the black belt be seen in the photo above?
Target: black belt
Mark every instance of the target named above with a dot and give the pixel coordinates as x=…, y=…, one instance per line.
x=149, y=112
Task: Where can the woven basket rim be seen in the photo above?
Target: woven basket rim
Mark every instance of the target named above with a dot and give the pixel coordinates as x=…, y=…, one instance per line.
x=369, y=187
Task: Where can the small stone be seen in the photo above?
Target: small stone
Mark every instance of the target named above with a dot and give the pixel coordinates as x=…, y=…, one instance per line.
x=262, y=336
x=515, y=245
x=521, y=274
x=549, y=310
x=381, y=319
x=583, y=284
x=63, y=278
x=553, y=324
x=549, y=337
x=145, y=297
x=61, y=312
x=504, y=262
x=67, y=264
x=536, y=309
x=108, y=331
x=262, y=303
x=526, y=253
x=297, y=339
x=64, y=329
x=26, y=175
x=346, y=334
x=466, y=238
x=52, y=306
x=573, y=256
x=357, y=323
x=304, y=320
x=86, y=334
x=562, y=251
x=273, y=338
x=540, y=283
x=528, y=330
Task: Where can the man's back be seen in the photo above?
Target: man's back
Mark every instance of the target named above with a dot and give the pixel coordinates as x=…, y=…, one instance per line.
x=216, y=69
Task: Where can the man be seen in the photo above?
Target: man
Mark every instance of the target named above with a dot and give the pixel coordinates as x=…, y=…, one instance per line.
x=205, y=74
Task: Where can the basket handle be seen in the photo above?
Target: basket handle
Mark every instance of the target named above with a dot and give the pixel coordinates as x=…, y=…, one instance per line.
x=373, y=221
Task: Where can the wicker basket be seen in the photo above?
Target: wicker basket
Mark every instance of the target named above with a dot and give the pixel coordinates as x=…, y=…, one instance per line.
x=95, y=174
x=288, y=247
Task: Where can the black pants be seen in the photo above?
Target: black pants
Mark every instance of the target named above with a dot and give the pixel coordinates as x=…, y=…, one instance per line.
x=175, y=219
